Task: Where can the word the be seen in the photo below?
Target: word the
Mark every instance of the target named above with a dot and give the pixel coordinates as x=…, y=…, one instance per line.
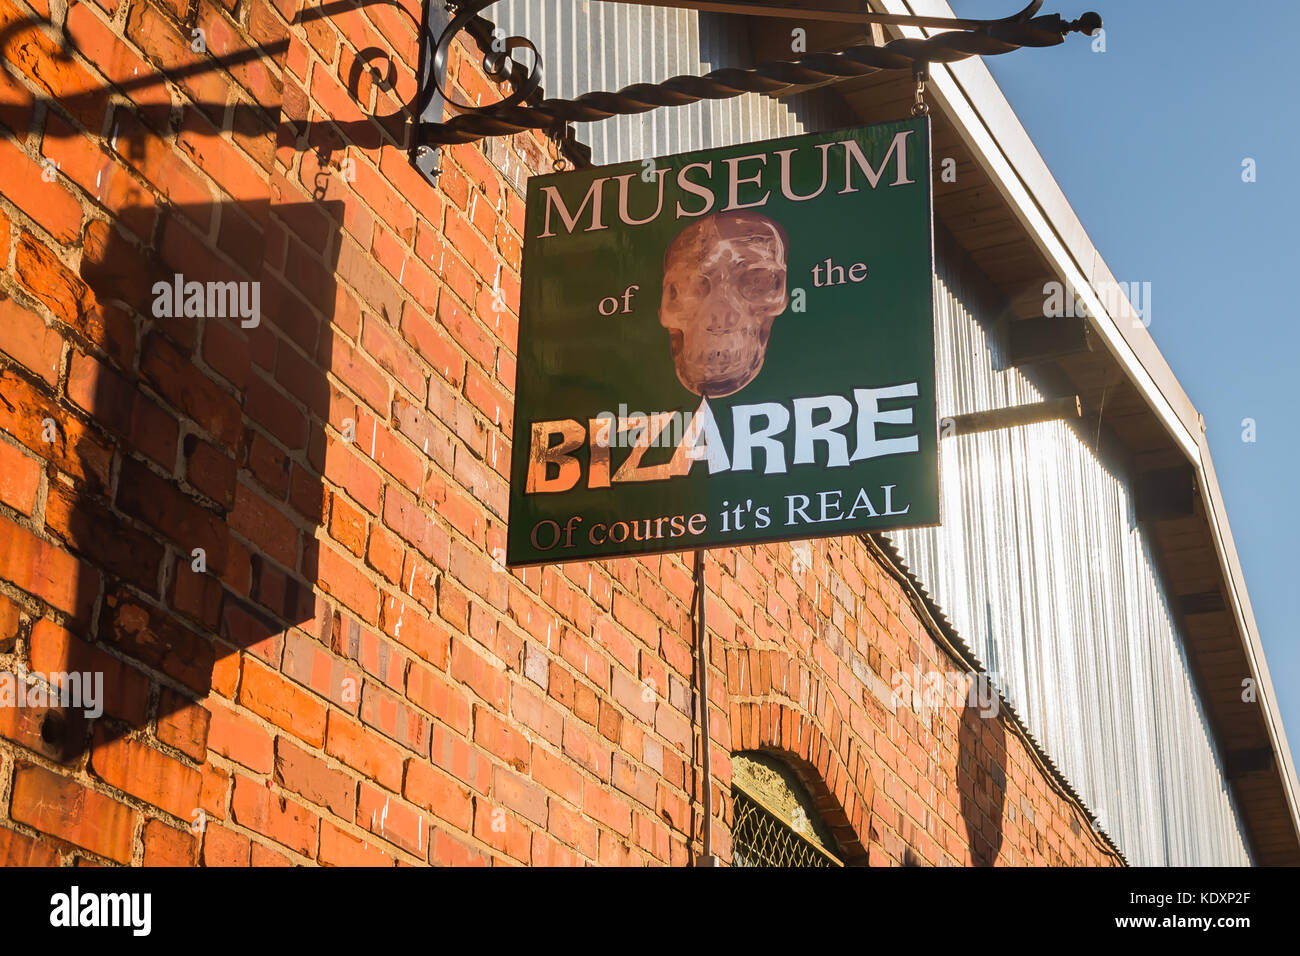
x=835, y=274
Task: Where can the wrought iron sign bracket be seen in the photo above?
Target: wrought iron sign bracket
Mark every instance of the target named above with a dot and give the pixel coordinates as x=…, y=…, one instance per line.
x=524, y=108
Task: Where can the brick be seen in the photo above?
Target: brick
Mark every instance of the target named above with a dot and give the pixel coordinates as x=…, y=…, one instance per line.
x=459, y=759
x=536, y=712
x=269, y=465
x=261, y=522
x=265, y=404
x=440, y=794
x=430, y=691
x=474, y=670
x=467, y=332
x=283, y=820
x=93, y=531
x=223, y=847
x=115, y=60
x=126, y=690
x=379, y=341
x=339, y=848
x=178, y=381
x=265, y=856
x=140, y=770
x=104, y=394
x=347, y=467
x=502, y=740
x=314, y=780
x=384, y=554
x=270, y=696
x=634, y=696
x=71, y=300
x=242, y=180
x=374, y=286
x=506, y=834
x=26, y=415
x=24, y=336
x=338, y=577
x=41, y=568
x=51, y=70
x=427, y=638
x=570, y=828
x=587, y=750
x=520, y=795
x=196, y=594
x=166, y=46
x=157, y=639
x=154, y=431
x=101, y=176
x=238, y=738
x=311, y=665
x=434, y=345
x=65, y=809
x=395, y=457
x=211, y=471
x=446, y=850
x=347, y=525
x=428, y=434
x=557, y=775
x=495, y=405
x=183, y=724
x=364, y=751
x=18, y=849
x=411, y=521
x=394, y=719
x=20, y=477
x=393, y=820
x=168, y=846
x=386, y=203
x=465, y=515
x=607, y=808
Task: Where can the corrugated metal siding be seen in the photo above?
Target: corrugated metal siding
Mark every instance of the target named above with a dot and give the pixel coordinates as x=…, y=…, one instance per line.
x=589, y=46
x=1041, y=568
x=1038, y=564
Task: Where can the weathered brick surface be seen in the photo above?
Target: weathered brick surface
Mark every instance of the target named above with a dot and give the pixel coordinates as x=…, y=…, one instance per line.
x=277, y=542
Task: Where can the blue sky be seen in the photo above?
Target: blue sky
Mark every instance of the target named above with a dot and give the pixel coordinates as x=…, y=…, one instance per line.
x=1147, y=141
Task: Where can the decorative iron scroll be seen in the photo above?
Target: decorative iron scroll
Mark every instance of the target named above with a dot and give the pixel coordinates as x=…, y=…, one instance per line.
x=515, y=114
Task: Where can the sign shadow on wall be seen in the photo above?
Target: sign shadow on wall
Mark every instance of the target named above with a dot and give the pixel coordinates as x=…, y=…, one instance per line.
x=196, y=491
x=220, y=428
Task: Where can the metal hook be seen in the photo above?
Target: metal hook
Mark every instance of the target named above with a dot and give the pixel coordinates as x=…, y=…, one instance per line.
x=559, y=162
x=919, y=105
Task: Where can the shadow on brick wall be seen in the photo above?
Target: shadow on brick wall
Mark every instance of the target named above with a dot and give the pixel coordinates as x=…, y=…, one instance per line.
x=188, y=441
x=982, y=781
x=218, y=428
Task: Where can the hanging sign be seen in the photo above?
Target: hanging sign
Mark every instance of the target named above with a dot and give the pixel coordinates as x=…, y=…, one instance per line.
x=727, y=347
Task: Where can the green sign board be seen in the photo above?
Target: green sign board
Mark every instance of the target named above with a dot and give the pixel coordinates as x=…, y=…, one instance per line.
x=727, y=347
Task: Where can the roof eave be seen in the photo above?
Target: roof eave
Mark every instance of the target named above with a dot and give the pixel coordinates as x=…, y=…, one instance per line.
x=971, y=98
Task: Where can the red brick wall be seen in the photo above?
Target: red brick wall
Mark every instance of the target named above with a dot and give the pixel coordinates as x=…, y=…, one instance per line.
x=351, y=679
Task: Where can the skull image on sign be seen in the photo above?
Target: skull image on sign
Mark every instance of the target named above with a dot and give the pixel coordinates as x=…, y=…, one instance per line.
x=724, y=284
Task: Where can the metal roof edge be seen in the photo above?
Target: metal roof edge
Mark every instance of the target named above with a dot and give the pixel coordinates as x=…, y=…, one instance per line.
x=974, y=101
x=1234, y=579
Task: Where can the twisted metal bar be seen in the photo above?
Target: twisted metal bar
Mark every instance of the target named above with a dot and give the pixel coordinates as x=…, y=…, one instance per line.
x=774, y=78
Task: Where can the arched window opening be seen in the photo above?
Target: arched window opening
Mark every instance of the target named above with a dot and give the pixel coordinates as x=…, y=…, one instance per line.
x=775, y=822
